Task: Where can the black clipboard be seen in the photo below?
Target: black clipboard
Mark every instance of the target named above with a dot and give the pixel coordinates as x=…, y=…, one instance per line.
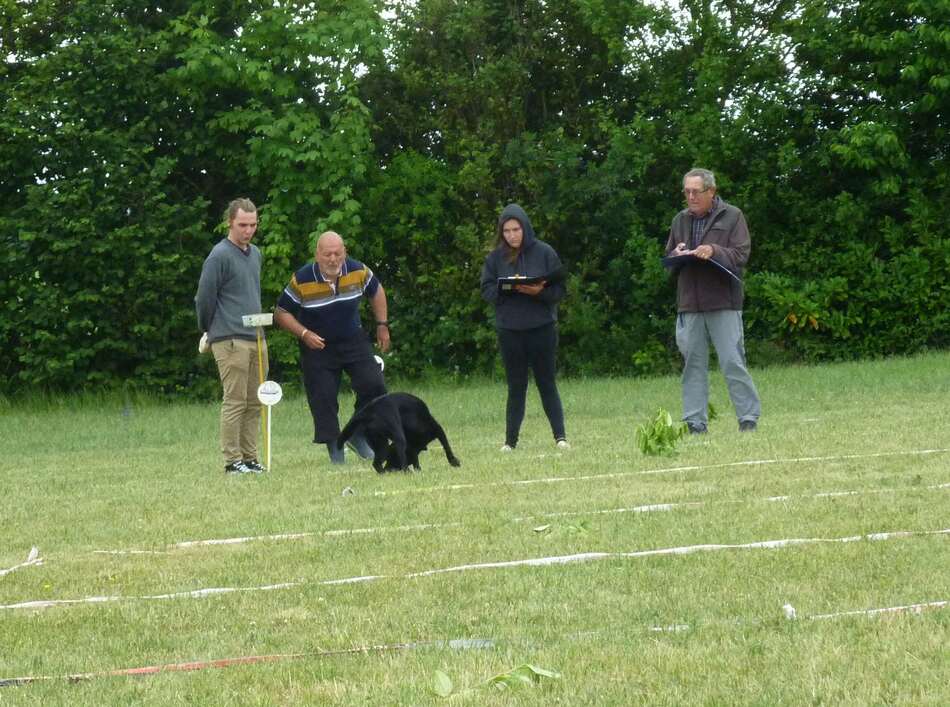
x=506, y=285
x=673, y=263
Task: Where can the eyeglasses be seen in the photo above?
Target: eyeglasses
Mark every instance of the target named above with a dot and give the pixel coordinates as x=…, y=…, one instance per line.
x=694, y=192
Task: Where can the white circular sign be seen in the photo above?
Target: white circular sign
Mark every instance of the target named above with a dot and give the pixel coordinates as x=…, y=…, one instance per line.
x=270, y=393
x=382, y=364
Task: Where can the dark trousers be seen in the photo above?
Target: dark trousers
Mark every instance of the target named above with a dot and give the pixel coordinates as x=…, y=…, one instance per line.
x=533, y=349
x=322, y=372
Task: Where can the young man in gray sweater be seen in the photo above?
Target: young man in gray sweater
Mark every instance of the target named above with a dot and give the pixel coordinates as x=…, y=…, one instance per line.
x=229, y=288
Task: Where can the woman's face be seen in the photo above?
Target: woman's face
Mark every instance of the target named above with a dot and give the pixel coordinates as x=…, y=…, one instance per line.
x=512, y=232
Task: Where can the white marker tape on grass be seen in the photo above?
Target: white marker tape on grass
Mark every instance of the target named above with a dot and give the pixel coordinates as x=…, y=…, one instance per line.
x=666, y=470
x=792, y=615
x=649, y=508
x=661, y=507
x=32, y=559
x=213, y=541
x=529, y=562
x=453, y=644
x=282, y=536
x=196, y=594
x=683, y=550
x=235, y=541
x=915, y=608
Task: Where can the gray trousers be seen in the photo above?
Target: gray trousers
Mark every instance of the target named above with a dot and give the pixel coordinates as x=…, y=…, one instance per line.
x=724, y=327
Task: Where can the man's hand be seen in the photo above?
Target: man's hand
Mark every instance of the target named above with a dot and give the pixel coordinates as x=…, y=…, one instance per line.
x=382, y=337
x=703, y=252
x=312, y=340
x=533, y=290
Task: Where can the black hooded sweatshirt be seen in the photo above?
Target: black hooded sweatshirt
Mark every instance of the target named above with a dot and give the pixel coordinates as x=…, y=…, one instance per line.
x=535, y=259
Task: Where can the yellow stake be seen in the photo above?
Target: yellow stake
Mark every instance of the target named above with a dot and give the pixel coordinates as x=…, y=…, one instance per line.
x=260, y=375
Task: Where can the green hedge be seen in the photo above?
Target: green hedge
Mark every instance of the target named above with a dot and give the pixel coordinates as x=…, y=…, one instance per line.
x=127, y=130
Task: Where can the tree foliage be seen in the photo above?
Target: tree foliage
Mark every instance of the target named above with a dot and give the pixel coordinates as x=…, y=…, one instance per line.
x=128, y=127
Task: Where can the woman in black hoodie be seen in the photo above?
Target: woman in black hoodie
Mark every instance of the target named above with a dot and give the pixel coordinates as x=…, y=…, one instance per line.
x=526, y=318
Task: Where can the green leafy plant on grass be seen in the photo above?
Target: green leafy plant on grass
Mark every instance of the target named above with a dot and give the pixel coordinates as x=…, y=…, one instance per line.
x=443, y=686
x=522, y=675
x=582, y=526
x=525, y=674
x=660, y=435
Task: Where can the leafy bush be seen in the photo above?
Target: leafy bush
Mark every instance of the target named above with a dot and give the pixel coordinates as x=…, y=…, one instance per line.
x=659, y=435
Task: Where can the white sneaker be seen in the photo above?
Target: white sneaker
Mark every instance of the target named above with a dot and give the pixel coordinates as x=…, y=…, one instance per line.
x=563, y=444
x=506, y=448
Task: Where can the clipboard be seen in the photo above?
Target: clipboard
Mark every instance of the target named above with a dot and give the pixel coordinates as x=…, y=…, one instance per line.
x=673, y=263
x=507, y=285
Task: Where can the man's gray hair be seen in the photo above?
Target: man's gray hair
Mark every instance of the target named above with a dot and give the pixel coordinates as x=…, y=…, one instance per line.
x=245, y=205
x=709, y=179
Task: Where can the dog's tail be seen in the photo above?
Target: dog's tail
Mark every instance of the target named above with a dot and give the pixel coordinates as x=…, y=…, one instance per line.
x=449, y=454
x=351, y=428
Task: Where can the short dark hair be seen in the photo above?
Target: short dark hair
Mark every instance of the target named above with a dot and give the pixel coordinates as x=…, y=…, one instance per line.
x=243, y=204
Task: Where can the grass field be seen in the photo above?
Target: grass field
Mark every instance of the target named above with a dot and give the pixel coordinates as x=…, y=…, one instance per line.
x=109, y=492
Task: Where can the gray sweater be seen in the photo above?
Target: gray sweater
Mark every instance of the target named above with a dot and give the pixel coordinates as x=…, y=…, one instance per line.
x=229, y=288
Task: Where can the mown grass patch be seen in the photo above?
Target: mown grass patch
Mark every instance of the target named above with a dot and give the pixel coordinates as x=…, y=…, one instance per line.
x=108, y=491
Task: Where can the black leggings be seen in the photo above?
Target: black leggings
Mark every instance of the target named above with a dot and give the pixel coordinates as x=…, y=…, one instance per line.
x=535, y=349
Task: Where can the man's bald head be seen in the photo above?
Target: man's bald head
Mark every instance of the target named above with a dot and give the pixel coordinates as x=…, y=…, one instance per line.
x=329, y=238
x=330, y=255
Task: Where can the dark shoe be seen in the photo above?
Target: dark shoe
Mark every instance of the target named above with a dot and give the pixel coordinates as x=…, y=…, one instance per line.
x=747, y=426
x=237, y=467
x=336, y=454
x=255, y=466
x=359, y=445
x=696, y=428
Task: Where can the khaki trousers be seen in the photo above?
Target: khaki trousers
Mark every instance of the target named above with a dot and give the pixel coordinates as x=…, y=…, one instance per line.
x=240, y=409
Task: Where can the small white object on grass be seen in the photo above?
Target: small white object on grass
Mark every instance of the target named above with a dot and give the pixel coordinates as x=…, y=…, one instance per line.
x=348, y=491
x=790, y=612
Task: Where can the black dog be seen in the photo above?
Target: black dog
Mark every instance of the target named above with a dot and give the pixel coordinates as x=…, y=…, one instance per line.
x=402, y=418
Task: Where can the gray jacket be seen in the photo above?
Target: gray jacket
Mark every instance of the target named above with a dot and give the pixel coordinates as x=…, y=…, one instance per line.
x=702, y=287
x=229, y=288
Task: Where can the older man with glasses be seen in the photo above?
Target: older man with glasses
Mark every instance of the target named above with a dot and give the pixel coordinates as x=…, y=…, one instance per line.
x=713, y=240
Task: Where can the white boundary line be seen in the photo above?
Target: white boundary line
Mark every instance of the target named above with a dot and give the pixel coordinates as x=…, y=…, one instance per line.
x=529, y=562
x=792, y=615
x=915, y=608
x=683, y=550
x=33, y=559
x=651, y=508
x=648, y=508
x=666, y=470
x=453, y=644
x=280, y=536
x=196, y=594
